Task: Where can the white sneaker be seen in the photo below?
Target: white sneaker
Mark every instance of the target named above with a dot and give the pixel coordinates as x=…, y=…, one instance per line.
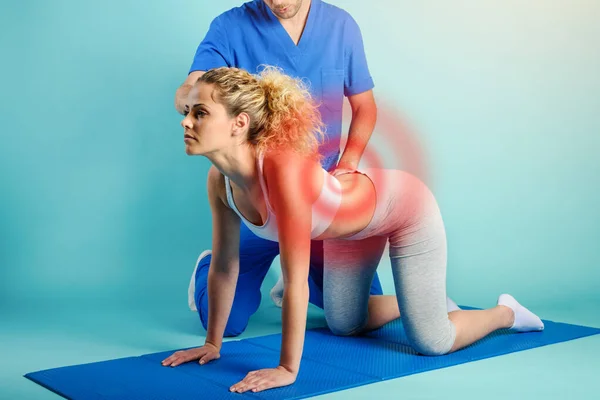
x=451, y=305
x=277, y=292
x=192, y=287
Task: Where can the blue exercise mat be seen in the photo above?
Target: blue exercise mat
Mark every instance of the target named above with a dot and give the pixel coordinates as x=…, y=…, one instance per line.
x=329, y=363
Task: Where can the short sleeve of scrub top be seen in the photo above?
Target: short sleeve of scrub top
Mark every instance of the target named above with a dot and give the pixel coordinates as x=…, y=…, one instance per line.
x=357, y=78
x=213, y=51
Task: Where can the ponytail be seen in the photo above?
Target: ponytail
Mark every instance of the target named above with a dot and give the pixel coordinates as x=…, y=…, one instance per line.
x=281, y=110
x=293, y=120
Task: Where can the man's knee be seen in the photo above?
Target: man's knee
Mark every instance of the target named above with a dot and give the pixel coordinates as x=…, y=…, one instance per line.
x=235, y=327
x=376, y=288
x=236, y=324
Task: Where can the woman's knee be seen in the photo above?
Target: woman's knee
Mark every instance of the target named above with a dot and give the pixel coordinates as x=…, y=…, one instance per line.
x=433, y=348
x=344, y=323
x=434, y=341
x=345, y=329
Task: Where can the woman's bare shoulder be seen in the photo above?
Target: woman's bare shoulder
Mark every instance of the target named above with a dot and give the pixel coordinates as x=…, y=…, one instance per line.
x=292, y=173
x=215, y=182
x=290, y=161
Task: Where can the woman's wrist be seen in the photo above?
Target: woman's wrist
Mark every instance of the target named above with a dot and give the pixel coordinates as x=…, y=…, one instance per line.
x=214, y=343
x=291, y=370
x=294, y=311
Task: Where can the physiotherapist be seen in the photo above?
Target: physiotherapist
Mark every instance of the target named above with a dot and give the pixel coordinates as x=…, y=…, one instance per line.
x=308, y=39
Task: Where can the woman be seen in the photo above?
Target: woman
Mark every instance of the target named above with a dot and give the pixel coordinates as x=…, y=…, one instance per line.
x=261, y=135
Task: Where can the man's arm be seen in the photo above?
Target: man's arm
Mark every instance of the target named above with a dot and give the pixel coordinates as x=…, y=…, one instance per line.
x=358, y=87
x=364, y=117
x=212, y=52
x=182, y=92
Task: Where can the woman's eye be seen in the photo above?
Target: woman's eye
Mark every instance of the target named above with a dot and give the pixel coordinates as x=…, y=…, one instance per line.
x=200, y=114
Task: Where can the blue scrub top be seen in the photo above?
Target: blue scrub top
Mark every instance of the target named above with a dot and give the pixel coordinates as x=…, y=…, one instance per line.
x=330, y=55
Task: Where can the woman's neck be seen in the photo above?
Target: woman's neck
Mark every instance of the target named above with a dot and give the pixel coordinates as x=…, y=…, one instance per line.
x=239, y=165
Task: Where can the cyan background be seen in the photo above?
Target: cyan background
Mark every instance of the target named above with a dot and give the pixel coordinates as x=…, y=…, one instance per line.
x=102, y=214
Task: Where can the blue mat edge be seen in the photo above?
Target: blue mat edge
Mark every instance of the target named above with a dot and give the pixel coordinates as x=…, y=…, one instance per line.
x=592, y=332
x=497, y=354
x=371, y=378
x=368, y=379
x=31, y=375
x=32, y=379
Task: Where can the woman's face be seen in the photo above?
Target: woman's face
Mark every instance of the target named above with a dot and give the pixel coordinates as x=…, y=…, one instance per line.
x=207, y=127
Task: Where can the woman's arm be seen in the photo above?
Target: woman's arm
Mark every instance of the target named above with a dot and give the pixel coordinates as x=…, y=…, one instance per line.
x=292, y=203
x=286, y=175
x=222, y=275
x=224, y=265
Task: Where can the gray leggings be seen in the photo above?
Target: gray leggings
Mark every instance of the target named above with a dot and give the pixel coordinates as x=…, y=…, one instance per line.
x=408, y=217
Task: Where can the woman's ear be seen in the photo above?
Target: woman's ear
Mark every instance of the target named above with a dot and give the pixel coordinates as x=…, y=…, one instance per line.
x=241, y=124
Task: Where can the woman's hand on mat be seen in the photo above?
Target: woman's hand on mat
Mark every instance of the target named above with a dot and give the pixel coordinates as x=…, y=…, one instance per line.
x=206, y=353
x=263, y=379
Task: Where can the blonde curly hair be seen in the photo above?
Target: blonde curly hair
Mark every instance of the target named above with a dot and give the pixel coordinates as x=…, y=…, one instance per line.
x=281, y=110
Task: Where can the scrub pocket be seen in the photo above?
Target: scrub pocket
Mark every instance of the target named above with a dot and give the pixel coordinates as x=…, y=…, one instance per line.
x=332, y=85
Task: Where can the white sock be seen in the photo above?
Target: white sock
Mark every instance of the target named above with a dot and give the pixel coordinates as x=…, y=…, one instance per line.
x=277, y=292
x=451, y=305
x=525, y=320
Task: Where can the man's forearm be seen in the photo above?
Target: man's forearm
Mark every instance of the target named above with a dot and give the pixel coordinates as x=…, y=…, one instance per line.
x=359, y=134
x=181, y=97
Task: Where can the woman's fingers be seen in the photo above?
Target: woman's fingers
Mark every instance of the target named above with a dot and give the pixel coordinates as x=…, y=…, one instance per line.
x=171, y=358
x=203, y=354
x=209, y=357
x=167, y=360
x=180, y=360
x=264, y=385
x=250, y=381
x=181, y=357
x=254, y=381
x=238, y=386
x=259, y=383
